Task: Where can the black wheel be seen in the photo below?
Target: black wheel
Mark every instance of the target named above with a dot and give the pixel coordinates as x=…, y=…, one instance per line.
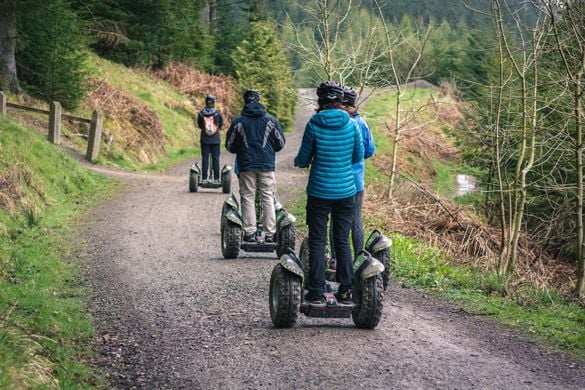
x=193, y=182
x=286, y=239
x=226, y=183
x=368, y=299
x=231, y=236
x=384, y=257
x=304, y=255
x=284, y=297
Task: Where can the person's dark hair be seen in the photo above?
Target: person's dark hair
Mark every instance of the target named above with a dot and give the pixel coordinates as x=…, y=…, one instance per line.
x=251, y=95
x=329, y=94
x=209, y=101
x=349, y=97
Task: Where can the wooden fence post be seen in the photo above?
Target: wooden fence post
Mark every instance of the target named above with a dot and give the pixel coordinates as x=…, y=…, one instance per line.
x=55, y=123
x=2, y=103
x=95, y=136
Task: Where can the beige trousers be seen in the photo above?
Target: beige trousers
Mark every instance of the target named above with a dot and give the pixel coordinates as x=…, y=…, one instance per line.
x=266, y=184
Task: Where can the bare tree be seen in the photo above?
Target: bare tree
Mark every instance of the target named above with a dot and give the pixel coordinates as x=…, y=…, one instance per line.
x=524, y=59
x=570, y=45
x=401, y=73
x=8, y=76
x=333, y=49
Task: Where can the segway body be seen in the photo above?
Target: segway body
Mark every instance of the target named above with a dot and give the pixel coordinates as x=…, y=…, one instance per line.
x=196, y=182
x=379, y=246
x=286, y=295
x=232, y=230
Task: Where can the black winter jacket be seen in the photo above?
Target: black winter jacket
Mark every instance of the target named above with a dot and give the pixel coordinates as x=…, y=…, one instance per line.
x=217, y=118
x=255, y=137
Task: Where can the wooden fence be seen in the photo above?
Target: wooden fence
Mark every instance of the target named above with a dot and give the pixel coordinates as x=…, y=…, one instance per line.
x=55, y=113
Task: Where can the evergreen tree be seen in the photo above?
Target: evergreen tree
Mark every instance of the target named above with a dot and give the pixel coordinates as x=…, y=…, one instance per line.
x=260, y=63
x=147, y=33
x=50, y=56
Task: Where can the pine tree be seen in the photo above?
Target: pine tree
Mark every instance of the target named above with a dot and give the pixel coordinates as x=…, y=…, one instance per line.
x=260, y=63
x=50, y=55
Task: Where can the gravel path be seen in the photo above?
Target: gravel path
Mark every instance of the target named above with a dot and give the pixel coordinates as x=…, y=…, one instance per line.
x=173, y=314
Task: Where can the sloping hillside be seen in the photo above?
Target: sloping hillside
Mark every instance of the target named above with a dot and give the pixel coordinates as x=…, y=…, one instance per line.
x=44, y=329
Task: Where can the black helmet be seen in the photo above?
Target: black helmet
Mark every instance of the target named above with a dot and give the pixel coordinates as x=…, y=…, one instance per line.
x=329, y=91
x=251, y=95
x=209, y=101
x=349, y=97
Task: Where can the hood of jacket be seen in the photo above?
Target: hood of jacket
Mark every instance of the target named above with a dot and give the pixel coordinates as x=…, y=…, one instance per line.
x=330, y=118
x=254, y=109
x=208, y=111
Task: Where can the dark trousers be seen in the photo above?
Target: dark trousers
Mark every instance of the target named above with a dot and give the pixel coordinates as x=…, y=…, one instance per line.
x=318, y=211
x=206, y=150
x=357, y=227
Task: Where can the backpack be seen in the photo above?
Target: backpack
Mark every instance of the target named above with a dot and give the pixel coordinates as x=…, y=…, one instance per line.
x=210, y=125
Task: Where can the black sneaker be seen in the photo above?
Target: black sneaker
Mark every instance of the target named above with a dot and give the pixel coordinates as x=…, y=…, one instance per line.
x=344, y=298
x=333, y=264
x=249, y=237
x=268, y=238
x=316, y=300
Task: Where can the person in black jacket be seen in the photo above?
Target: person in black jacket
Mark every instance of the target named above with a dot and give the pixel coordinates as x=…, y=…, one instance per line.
x=210, y=121
x=255, y=136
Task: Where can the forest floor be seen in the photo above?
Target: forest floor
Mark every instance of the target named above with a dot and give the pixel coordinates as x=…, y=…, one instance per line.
x=172, y=313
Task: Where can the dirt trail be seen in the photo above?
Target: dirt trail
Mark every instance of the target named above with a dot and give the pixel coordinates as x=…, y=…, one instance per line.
x=172, y=313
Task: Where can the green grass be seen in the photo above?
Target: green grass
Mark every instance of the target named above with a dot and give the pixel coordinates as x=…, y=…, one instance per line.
x=544, y=315
x=45, y=329
x=175, y=111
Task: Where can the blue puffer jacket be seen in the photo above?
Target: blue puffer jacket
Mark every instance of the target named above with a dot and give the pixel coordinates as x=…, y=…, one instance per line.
x=255, y=137
x=369, y=150
x=331, y=144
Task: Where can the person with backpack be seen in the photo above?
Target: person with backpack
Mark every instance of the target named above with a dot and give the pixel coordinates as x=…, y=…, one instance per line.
x=357, y=227
x=255, y=137
x=210, y=121
x=331, y=144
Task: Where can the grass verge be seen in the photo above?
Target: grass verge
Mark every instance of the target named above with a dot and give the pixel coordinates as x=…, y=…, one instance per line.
x=45, y=329
x=542, y=314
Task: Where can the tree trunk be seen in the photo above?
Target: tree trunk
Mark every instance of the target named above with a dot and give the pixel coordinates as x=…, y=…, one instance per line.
x=396, y=134
x=580, y=287
x=8, y=77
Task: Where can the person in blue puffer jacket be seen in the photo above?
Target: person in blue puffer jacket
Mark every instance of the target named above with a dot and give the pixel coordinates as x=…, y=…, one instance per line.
x=331, y=144
x=357, y=228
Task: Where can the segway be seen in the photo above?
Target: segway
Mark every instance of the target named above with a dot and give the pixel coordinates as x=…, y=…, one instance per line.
x=286, y=295
x=195, y=179
x=232, y=230
x=377, y=244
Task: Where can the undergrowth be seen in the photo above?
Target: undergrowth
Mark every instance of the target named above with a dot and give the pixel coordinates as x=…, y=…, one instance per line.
x=544, y=314
x=174, y=110
x=45, y=330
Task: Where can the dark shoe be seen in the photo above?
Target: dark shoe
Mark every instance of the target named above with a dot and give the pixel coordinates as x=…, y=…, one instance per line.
x=249, y=237
x=333, y=264
x=344, y=298
x=318, y=300
x=268, y=238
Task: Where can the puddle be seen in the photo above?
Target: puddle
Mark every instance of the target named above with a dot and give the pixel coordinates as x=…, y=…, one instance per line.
x=464, y=184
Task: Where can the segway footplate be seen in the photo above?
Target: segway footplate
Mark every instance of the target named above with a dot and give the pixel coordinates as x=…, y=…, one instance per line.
x=332, y=310
x=258, y=247
x=209, y=184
